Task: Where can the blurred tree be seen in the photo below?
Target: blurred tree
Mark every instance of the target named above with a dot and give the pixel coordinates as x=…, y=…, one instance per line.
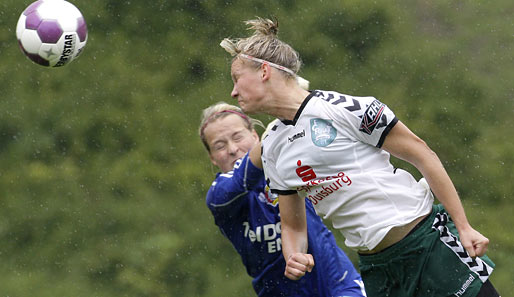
x=102, y=174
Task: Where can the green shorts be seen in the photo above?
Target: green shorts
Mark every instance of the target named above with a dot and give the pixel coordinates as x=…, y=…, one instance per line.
x=430, y=261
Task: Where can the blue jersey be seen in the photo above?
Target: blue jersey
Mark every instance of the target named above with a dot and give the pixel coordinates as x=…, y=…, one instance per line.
x=247, y=214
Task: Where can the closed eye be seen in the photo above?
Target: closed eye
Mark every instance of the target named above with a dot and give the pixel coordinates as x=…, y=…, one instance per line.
x=237, y=136
x=218, y=146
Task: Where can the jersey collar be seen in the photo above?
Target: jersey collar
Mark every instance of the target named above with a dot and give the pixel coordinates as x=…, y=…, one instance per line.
x=299, y=112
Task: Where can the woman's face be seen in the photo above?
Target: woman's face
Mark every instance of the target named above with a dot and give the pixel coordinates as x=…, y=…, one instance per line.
x=229, y=139
x=248, y=87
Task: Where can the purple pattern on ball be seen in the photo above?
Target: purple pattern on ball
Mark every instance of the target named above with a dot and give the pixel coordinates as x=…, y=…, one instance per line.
x=32, y=7
x=49, y=31
x=34, y=57
x=81, y=29
x=33, y=20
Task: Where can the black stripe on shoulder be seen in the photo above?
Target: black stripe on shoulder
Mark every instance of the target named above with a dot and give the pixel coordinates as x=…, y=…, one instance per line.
x=386, y=131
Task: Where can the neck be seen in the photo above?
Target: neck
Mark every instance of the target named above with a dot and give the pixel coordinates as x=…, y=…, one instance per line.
x=285, y=102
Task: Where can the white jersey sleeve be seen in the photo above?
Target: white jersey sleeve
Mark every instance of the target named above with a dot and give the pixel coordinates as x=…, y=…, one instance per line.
x=269, y=152
x=365, y=119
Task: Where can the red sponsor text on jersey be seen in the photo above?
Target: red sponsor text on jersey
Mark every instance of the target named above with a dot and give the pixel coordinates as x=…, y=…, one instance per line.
x=318, y=189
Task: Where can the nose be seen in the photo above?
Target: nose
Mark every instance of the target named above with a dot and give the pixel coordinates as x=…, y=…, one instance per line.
x=234, y=93
x=232, y=148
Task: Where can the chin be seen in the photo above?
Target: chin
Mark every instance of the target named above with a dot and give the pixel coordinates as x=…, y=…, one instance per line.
x=242, y=105
x=229, y=167
x=246, y=109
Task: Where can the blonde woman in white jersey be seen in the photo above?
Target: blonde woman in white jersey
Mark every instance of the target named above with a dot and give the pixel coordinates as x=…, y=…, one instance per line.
x=334, y=150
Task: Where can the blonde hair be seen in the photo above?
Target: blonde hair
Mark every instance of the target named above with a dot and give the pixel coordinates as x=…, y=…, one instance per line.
x=265, y=45
x=221, y=110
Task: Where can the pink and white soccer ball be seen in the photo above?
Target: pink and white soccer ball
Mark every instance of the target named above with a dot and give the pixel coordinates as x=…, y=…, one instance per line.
x=51, y=32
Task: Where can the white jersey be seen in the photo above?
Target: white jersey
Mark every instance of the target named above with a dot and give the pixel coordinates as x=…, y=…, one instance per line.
x=330, y=153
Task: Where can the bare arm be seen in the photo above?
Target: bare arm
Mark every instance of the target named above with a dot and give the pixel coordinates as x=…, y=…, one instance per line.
x=255, y=155
x=294, y=236
x=256, y=151
x=405, y=145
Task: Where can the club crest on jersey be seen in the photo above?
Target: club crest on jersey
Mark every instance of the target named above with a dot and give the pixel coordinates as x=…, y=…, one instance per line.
x=372, y=116
x=322, y=132
x=268, y=197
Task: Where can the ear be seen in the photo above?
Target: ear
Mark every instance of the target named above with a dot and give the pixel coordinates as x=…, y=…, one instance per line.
x=266, y=71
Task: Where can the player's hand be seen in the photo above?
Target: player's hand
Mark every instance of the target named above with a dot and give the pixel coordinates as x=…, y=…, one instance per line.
x=474, y=242
x=298, y=264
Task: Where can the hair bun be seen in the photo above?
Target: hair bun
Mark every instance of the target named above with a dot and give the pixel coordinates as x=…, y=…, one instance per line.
x=264, y=26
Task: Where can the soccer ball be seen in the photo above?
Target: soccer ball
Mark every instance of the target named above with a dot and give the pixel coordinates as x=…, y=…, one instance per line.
x=51, y=32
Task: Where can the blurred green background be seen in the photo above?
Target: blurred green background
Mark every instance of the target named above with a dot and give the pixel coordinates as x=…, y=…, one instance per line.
x=103, y=176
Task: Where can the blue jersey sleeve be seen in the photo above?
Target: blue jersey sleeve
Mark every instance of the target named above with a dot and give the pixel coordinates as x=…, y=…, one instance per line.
x=229, y=191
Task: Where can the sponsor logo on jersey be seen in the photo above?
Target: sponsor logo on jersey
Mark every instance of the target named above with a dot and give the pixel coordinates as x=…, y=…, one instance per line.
x=296, y=136
x=317, y=189
x=371, y=117
x=322, y=132
x=268, y=234
x=306, y=173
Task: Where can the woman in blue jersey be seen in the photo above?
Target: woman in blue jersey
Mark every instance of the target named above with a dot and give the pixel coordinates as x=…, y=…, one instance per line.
x=333, y=149
x=248, y=215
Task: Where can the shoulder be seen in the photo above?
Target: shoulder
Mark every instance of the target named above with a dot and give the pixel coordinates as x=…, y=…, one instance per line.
x=333, y=100
x=219, y=186
x=271, y=135
x=272, y=126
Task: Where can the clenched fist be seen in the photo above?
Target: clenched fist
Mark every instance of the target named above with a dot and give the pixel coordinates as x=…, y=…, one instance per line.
x=298, y=264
